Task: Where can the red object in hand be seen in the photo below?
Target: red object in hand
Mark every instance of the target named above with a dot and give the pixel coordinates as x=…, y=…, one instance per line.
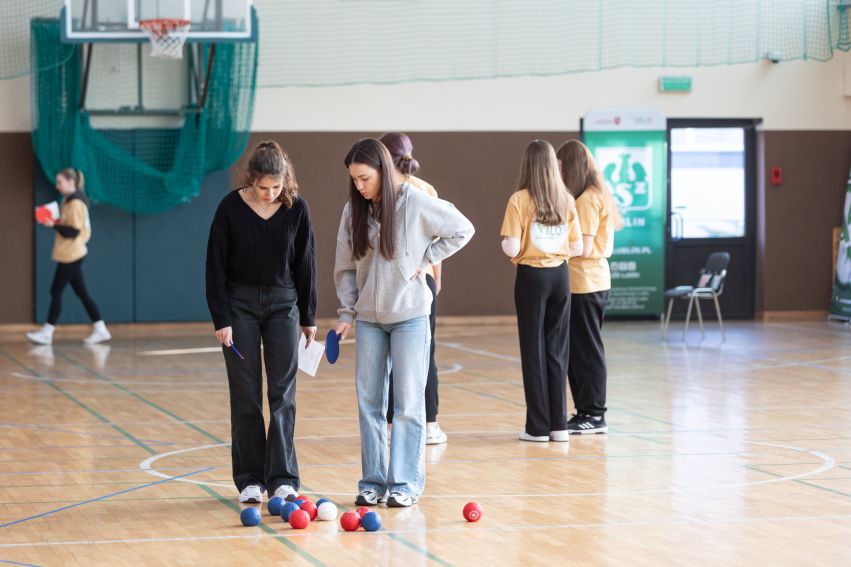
x=350, y=521
x=472, y=512
x=299, y=519
x=362, y=511
x=310, y=508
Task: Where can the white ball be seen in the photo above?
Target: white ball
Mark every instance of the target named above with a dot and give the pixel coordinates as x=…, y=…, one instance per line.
x=327, y=512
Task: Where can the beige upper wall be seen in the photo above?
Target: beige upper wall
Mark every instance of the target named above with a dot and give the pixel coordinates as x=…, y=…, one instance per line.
x=787, y=96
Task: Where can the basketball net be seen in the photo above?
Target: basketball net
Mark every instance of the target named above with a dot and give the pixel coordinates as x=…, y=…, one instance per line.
x=167, y=36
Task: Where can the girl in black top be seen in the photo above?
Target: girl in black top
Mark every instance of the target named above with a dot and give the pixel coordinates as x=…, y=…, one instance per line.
x=261, y=287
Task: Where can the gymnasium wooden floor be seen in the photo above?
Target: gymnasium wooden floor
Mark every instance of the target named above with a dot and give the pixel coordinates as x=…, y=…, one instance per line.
x=733, y=454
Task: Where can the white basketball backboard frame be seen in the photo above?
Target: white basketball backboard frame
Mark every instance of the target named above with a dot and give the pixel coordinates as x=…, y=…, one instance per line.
x=130, y=31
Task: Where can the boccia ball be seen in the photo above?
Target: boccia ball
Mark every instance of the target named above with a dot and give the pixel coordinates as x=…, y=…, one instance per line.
x=327, y=512
x=274, y=506
x=472, y=512
x=310, y=508
x=371, y=522
x=350, y=521
x=362, y=512
x=288, y=509
x=299, y=519
x=250, y=516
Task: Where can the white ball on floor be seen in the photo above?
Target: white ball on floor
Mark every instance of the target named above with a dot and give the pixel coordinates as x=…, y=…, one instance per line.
x=327, y=512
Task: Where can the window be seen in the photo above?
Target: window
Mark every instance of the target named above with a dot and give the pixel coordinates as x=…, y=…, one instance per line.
x=707, y=182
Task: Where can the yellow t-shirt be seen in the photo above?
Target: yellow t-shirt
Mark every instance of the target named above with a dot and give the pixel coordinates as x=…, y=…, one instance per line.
x=541, y=246
x=73, y=213
x=427, y=188
x=590, y=275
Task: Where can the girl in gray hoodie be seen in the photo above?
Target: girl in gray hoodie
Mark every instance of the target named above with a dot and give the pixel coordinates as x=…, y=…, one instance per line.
x=389, y=234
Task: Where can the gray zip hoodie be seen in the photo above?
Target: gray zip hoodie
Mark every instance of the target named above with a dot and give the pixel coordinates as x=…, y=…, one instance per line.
x=377, y=290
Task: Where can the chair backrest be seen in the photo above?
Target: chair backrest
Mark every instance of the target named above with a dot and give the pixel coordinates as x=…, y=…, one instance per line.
x=713, y=274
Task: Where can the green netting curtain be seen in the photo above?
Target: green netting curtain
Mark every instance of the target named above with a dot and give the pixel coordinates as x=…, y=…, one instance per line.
x=142, y=171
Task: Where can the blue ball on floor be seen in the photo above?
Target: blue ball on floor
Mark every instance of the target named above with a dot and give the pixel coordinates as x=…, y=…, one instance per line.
x=299, y=501
x=274, y=506
x=288, y=509
x=321, y=501
x=250, y=517
x=371, y=522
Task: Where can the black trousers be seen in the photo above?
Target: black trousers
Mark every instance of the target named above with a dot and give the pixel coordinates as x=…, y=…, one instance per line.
x=542, y=299
x=267, y=315
x=587, y=366
x=72, y=273
x=431, y=396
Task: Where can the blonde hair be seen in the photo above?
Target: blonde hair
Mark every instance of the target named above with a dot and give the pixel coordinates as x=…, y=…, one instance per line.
x=580, y=173
x=74, y=175
x=554, y=205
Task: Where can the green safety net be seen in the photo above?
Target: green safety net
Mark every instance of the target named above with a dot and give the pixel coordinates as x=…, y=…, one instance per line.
x=141, y=164
x=334, y=42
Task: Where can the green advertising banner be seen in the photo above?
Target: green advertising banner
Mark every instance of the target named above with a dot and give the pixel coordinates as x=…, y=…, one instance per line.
x=840, y=299
x=631, y=152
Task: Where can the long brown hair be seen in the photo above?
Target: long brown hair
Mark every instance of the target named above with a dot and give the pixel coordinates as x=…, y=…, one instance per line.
x=539, y=174
x=372, y=153
x=77, y=178
x=269, y=159
x=580, y=173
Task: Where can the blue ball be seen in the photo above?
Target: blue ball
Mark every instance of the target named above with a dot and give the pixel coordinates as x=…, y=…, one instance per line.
x=250, y=516
x=299, y=501
x=288, y=509
x=274, y=505
x=371, y=522
x=320, y=501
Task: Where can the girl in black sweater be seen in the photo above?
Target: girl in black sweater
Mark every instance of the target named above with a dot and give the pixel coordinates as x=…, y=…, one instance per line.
x=261, y=287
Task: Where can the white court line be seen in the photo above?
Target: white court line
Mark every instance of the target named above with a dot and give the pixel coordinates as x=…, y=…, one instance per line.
x=827, y=463
x=467, y=529
x=461, y=347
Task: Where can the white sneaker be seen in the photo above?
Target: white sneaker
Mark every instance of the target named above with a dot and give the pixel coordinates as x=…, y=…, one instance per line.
x=400, y=500
x=285, y=490
x=368, y=497
x=99, y=334
x=434, y=436
x=251, y=494
x=43, y=336
x=562, y=436
x=534, y=438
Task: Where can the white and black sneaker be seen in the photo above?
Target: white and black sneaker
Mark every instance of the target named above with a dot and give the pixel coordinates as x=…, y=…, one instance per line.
x=286, y=492
x=400, y=500
x=251, y=494
x=582, y=424
x=368, y=497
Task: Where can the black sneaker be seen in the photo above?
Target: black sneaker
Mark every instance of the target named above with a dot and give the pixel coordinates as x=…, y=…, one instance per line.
x=368, y=497
x=586, y=424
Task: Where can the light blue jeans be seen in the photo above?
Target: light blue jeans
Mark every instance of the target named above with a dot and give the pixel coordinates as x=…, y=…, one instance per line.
x=405, y=346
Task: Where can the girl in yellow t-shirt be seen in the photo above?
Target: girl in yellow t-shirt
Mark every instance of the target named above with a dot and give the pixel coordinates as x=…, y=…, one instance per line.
x=590, y=282
x=540, y=233
x=73, y=231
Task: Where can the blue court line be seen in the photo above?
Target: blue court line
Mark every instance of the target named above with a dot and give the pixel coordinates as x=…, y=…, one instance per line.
x=51, y=512
x=16, y=563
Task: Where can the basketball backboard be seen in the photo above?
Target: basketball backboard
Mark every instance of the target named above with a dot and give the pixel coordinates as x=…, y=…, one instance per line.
x=92, y=21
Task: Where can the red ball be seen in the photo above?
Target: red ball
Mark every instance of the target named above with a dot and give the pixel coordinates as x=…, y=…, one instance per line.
x=472, y=512
x=299, y=519
x=362, y=511
x=350, y=521
x=310, y=508
x=305, y=497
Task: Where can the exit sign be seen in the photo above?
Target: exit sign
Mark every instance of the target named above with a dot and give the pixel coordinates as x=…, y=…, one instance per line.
x=681, y=84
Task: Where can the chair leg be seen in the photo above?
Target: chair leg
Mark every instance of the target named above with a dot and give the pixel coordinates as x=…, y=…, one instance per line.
x=699, y=317
x=688, y=316
x=666, y=320
x=720, y=320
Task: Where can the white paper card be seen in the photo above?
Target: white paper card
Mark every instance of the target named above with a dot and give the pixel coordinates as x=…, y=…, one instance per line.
x=309, y=357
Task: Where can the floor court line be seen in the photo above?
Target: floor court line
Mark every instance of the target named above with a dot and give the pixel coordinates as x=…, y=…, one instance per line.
x=99, y=498
x=685, y=520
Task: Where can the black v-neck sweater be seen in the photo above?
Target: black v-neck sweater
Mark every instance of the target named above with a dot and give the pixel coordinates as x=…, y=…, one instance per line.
x=246, y=249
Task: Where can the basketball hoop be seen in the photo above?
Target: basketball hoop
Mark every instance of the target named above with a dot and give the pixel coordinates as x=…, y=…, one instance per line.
x=167, y=36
